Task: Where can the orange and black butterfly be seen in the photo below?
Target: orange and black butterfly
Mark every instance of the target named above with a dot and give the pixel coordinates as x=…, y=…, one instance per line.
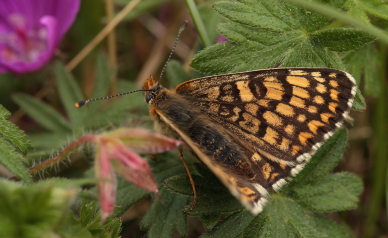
x=257, y=129
x=254, y=130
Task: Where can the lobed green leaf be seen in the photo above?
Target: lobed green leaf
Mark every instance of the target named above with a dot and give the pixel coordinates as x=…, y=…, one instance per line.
x=255, y=14
x=364, y=63
x=342, y=39
x=12, y=161
x=212, y=197
x=323, y=161
x=335, y=192
x=359, y=103
x=12, y=134
x=165, y=215
x=282, y=217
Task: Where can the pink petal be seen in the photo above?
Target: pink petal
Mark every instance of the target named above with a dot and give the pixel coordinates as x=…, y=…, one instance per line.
x=21, y=66
x=143, y=141
x=29, y=53
x=107, y=185
x=134, y=168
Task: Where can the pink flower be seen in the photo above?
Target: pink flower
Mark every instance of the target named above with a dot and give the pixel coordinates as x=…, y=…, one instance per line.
x=30, y=31
x=117, y=152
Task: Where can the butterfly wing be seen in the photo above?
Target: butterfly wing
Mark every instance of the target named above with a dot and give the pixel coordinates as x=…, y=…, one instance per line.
x=283, y=115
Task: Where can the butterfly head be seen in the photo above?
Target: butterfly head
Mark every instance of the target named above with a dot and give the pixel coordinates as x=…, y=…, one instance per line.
x=152, y=87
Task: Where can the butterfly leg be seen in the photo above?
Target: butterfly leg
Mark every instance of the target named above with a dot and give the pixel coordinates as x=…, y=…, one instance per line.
x=180, y=154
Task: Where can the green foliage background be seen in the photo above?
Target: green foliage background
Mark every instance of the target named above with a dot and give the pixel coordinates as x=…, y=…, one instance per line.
x=62, y=201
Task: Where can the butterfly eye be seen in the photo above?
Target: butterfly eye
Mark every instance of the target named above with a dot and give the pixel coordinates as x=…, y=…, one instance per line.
x=149, y=96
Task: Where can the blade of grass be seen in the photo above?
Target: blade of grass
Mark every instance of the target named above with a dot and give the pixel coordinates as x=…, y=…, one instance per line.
x=198, y=23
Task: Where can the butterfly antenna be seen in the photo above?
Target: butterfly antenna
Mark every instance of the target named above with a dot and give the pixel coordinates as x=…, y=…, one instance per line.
x=84, y=102
x=183, y=26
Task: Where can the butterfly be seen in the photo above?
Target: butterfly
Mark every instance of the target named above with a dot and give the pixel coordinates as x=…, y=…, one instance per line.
x=254, y=130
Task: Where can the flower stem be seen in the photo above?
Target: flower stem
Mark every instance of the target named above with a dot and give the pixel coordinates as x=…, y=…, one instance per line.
x=60, y=157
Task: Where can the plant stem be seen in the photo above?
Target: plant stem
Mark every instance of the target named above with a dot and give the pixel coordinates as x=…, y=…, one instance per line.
x=198, y=23
x=111, y=44
x=61, y=156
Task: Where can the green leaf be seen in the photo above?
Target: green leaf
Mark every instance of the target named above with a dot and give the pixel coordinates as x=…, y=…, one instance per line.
x=165, y=215
x=12, y=134
x=364, y=63
x=359, y=9
x=343, y=17
x=69, y=93
x=206, y=12
x=70, y=228
x=282, y=217
x=233, y=226
x=212, y=196
x=210, y=221
x=90, y=218
x=104, y=75
x=333, y=193
x=166, y=165
x=342, y=39
x=323, y=161
x=45, y=115
x=356, y=10
x=309, y=21
x=4, y=113
x=288, y=43
x=12, y=161
x=33, y=211
x=261, y=14
x=359, y=103
x=128, y=194
x=311, y=189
